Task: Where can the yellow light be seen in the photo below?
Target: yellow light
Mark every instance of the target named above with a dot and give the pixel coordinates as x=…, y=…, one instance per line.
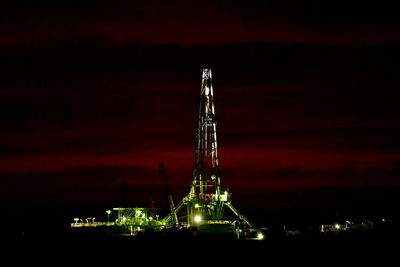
x=197, y=218
x=260, y=236
x=196, y=205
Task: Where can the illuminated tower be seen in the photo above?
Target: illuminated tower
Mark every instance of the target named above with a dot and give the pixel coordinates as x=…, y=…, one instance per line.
x=206, y=202
x=205, y=177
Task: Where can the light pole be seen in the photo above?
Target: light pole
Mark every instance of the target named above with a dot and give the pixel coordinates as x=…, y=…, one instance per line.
x=108, y=216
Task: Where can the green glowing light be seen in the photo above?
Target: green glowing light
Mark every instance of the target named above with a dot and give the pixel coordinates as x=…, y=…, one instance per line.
x=197, y=218
x=260, y=236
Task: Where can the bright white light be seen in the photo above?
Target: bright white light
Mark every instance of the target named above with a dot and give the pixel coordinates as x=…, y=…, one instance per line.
x=260, y=236
x=197, y=218
x=337, y=226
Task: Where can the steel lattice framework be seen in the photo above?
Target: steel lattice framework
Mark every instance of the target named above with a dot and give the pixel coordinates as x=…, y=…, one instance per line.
x=206, y=202
x=205, y=167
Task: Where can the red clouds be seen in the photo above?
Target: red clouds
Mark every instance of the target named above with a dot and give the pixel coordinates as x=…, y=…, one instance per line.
x=97, y=93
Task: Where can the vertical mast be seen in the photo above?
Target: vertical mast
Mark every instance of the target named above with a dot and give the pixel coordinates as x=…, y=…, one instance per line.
x=205, y=204
x=206, y=181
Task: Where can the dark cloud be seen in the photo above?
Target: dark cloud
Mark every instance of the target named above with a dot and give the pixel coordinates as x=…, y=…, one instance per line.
x=94, y=93
x=293, y=179
x=344, y=86
x=99, y=184
x=86, y=185
x=33, y=26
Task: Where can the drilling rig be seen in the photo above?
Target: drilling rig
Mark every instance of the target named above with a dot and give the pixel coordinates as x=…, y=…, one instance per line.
x=207, y=205
x=206, y=209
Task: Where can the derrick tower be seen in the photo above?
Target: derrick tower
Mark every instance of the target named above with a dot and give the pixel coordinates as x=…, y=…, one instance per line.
x=206, y=202
x=205, y=176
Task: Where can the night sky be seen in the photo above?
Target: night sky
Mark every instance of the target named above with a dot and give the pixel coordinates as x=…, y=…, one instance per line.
x=94, y=94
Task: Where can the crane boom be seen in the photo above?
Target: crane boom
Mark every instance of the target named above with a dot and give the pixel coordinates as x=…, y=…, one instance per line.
x=168, y=193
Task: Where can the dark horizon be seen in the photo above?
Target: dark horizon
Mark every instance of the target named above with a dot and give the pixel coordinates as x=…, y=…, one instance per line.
x=95, y=94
